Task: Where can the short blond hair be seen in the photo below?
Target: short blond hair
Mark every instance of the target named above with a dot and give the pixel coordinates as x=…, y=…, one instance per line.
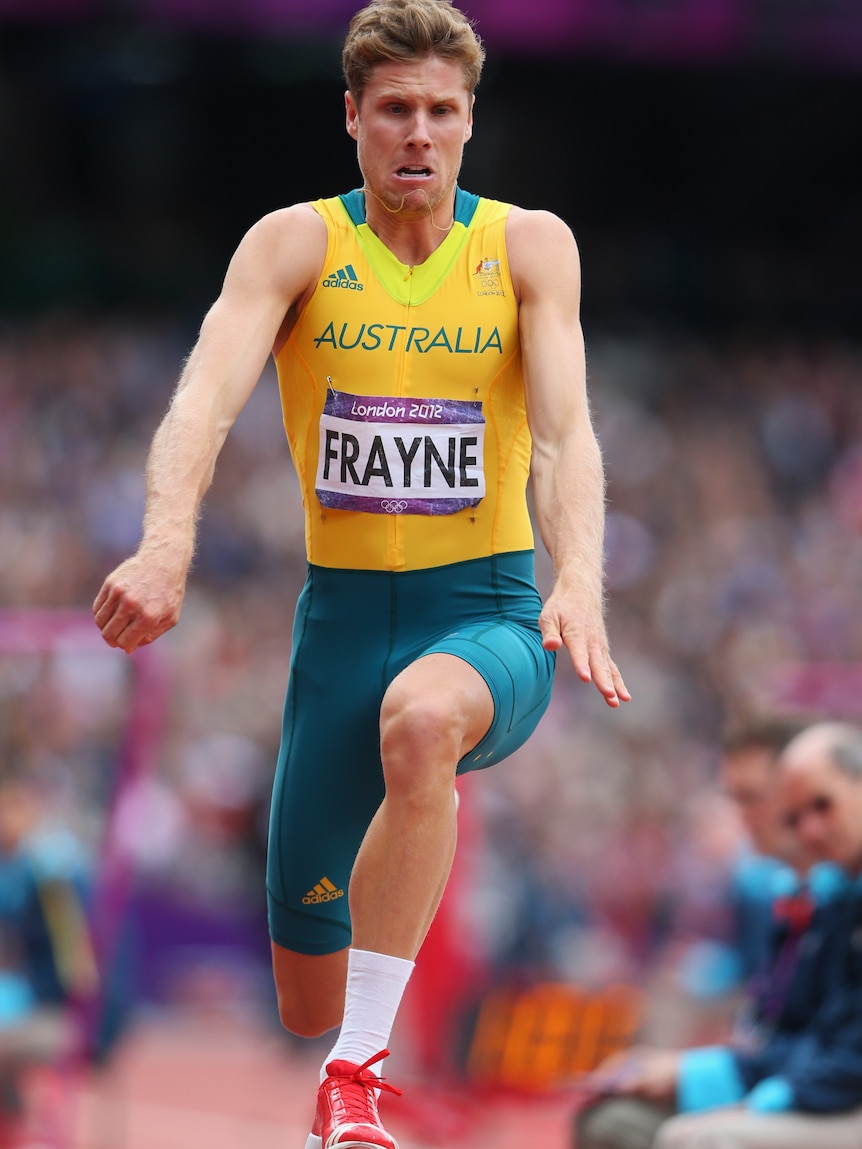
x=404, y=30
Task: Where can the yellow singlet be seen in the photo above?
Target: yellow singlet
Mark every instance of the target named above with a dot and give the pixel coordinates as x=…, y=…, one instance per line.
x=403, y=397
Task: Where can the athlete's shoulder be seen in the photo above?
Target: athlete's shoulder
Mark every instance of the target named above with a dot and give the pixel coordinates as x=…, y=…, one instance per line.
x=538, y=225
x=284, y=250
x=288, y=224
x=541, y=248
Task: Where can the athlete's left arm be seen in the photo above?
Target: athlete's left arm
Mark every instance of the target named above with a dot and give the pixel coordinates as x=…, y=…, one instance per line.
x=568, y=475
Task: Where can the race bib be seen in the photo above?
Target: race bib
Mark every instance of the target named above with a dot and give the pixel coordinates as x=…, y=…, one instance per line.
x=400, y=456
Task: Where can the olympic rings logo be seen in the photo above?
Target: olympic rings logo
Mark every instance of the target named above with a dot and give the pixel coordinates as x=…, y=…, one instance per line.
x=394, y=506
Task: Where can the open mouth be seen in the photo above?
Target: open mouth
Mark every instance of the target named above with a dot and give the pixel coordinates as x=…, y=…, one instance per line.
x=413, y=173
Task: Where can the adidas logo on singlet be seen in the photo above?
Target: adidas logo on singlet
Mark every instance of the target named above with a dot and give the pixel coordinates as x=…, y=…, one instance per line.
x=324, y=891
x=344, y=278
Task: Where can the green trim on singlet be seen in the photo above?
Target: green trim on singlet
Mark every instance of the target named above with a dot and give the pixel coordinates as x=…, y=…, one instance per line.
x=354, y=205
x=465, y=205
x=406, y=284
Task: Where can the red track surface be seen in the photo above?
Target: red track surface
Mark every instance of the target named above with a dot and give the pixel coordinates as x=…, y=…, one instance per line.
x=215, y=1082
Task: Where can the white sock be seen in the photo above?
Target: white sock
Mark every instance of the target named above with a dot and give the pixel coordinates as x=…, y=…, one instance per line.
x=375, y=985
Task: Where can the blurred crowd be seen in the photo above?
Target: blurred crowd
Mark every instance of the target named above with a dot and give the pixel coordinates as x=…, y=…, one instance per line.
x=734, y=560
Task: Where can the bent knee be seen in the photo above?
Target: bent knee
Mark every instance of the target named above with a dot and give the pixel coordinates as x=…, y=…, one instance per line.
x=433, y=713
x=416, y=728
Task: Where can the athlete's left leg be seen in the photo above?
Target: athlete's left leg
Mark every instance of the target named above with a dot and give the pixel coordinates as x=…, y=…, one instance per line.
x=433, y=713
x=471, y=699
x=459, y=702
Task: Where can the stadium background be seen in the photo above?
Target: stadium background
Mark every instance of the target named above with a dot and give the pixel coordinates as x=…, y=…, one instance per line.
x=707, y=155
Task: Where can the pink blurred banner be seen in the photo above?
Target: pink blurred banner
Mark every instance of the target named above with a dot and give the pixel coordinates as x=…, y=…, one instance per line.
x=810, y=30
x=46, y=10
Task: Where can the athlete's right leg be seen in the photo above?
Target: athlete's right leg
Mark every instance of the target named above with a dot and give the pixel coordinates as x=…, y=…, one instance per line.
x=310, y=989
x=327, y=788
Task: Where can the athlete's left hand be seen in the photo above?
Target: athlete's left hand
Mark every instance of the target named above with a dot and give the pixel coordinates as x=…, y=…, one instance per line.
x=567, y=622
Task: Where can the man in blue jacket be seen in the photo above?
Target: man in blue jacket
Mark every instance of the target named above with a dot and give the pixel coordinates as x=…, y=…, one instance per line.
x=801, y=1086
x=794, y=1079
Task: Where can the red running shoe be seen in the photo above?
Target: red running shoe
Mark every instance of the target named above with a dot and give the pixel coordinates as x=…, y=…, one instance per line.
x=347, y=1115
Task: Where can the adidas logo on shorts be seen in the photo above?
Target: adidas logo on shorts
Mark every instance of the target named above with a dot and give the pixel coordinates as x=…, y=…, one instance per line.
x=324, y=891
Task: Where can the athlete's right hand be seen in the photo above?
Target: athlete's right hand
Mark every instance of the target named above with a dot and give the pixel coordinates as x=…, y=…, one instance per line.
x=139, y=601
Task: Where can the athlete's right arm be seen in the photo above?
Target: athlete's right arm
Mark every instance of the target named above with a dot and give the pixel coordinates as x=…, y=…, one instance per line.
x=272, y=272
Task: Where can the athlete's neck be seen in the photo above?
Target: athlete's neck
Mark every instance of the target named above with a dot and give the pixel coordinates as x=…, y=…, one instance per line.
x=412, y=235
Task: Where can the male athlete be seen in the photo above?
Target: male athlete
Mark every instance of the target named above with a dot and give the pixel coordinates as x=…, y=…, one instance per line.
x=429, y=351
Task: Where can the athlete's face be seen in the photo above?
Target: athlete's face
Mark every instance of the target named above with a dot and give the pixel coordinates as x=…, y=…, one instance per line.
x=410, y=129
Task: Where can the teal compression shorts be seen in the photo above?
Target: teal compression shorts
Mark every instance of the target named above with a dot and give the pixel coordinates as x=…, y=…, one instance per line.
x=355, y=631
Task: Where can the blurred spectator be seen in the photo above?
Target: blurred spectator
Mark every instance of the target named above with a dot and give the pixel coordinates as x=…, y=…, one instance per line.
x=713, y=961
x=46, y=960
x=637, y=1087
x=794, y=1077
